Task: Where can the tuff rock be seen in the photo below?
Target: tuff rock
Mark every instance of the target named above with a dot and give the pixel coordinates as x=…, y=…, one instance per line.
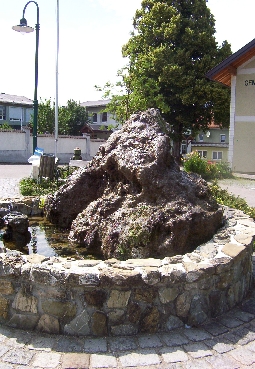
x=133, y=201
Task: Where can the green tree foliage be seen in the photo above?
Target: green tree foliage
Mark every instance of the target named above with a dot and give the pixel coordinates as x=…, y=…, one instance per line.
x=71, y=117
x=170, y=50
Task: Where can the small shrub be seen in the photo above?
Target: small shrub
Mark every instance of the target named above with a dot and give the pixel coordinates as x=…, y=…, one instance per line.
x=44, y=186
x=223, y=197
x=194, y=163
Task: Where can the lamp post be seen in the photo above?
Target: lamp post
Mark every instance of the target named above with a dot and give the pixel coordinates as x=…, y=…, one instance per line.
x=24, y=28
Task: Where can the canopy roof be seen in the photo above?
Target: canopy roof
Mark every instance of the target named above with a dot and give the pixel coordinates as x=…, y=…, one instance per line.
x=223, y=71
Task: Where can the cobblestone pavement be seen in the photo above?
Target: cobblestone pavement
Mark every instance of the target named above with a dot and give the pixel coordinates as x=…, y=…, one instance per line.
x=227, y=342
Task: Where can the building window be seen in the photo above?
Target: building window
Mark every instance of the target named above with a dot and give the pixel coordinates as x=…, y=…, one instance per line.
x=201, y=137
x=203, y=154
x=2, y=113
x=217, y=155
x=184, y=148
x=222, y=138
x=104, y=116
x=94, y=117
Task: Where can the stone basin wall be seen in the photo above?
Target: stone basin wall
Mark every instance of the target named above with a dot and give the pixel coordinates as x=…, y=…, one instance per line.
x=94, y=297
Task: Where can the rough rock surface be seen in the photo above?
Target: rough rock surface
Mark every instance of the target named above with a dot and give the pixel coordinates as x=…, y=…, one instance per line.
x=133, y=200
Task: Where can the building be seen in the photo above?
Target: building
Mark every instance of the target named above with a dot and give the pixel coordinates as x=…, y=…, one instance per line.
x=213, y=144
x=15, y=110
x=238, y=73
x=98, y=114
x=101, y=123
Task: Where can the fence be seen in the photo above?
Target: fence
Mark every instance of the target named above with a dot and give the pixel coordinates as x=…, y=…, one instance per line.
x=16, y=146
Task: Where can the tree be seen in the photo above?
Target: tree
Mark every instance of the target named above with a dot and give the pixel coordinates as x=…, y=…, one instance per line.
x=170, y=50
x=71, y=117
x=46, y=116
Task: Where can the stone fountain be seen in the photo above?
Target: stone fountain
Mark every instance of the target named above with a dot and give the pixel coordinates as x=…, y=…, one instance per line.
x=133, y=201
x=168, y=255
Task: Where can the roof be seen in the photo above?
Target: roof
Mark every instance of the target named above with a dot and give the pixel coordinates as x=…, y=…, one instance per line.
x=222, y=72
x=15, y=100
x=207, y=144
x=90, y=104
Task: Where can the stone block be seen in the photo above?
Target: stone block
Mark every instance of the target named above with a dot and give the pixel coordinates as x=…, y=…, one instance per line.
x=79, y=325
x=6, y=287
x=95, y=297
x=124, y=330
x=59, y=309
x=4, y=304
x=23, y=321
x=233, y=250
x=118, y=299
x=174, y=322
x=145, y=294
x=99, y=324
x=48, y=324
x=183, y=304
x=134, y=312
x=150, y=320
x=25, y=302
x=167, y=294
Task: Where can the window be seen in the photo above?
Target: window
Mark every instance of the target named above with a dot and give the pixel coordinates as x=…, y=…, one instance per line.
x=203, y=154
x=217, y=155
x=2, y=113
x=104, y=116
x=222, y=138
x=184, y=148
x=94, y=117
x=201, y=137
x=15, y=114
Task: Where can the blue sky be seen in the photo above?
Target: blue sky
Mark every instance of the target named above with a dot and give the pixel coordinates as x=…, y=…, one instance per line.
x=92, y=33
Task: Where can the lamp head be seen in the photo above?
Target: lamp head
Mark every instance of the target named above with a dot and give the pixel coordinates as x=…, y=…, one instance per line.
x=23, y=27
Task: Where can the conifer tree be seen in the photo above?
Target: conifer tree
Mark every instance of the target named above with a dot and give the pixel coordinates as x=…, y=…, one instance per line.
x=170, y=50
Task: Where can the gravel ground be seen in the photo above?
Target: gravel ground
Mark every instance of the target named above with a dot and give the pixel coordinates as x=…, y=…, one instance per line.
x=242, y=187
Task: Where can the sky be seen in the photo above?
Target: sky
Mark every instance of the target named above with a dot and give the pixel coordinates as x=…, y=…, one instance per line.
x=91, y=35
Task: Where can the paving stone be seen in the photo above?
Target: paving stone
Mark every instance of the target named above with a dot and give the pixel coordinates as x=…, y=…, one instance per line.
x=149, y=341
x=68, y=344
x=231, y=336
x=198, y=364
x=222, y=361
x=243, y=315
x=7, y=366
x=251, y=346
x=18, y=356
x=215, y=328
x=197, y=334
x=41, y=343
x=3, y=349
x=230, y=322
x=197, y=350
x=174, y=339
x=249, y=306
x=93, y=345
x=103, y=361
x=222, y=347
x=243, y=355
x=142, y=358
x=173, y=355
x=249, y=337
x=123, y=344
x=46, y=360
x=75, y=360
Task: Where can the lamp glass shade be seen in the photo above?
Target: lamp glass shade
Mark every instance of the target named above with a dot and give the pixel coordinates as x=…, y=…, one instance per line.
x=23, y=29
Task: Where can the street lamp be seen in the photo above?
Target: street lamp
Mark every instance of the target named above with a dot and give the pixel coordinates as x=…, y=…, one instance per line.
x=24, y=28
